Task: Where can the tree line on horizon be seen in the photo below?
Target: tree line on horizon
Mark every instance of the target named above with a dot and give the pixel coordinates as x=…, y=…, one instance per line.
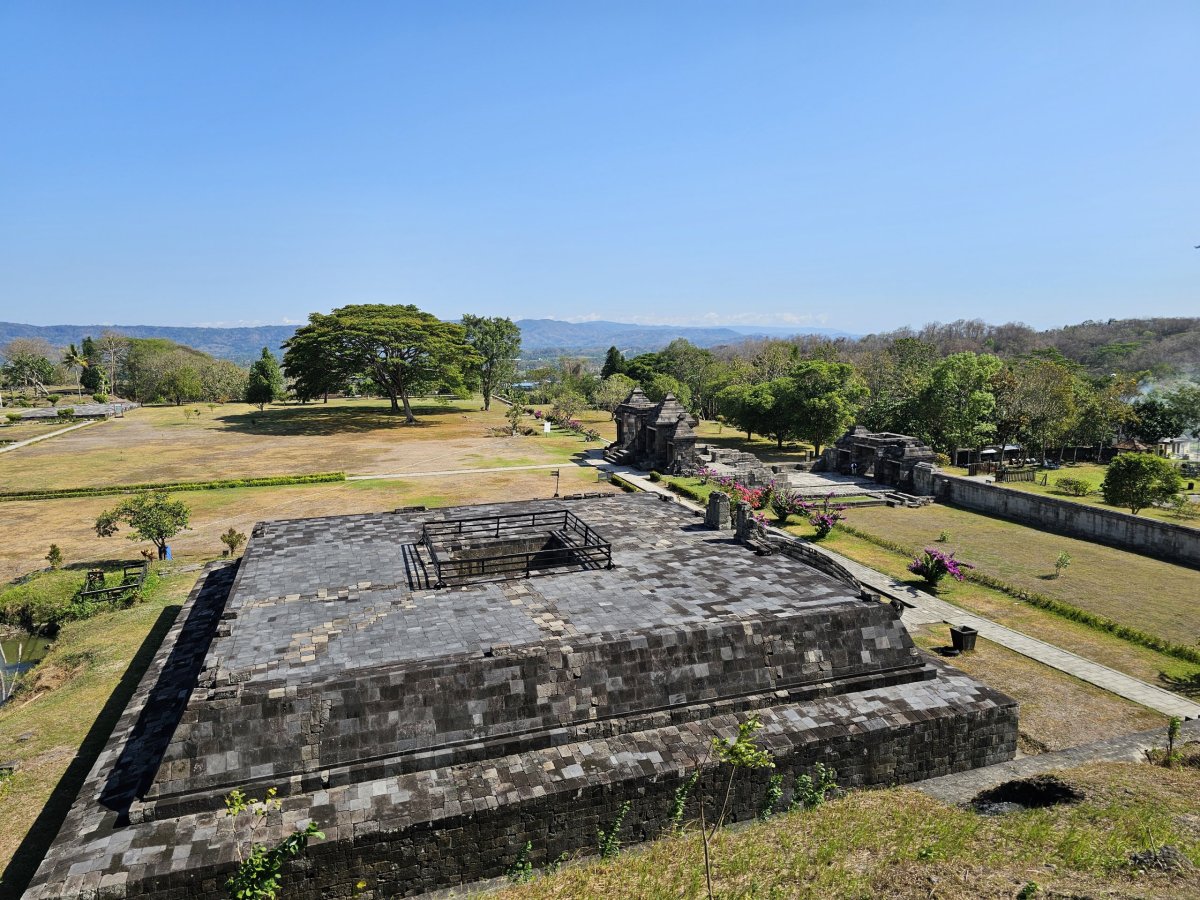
x=937, y=383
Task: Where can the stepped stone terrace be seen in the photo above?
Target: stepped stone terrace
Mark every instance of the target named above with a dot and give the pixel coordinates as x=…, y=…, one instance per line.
x=577, y=655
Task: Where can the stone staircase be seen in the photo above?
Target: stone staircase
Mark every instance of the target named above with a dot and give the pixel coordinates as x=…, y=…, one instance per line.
x=618, y=456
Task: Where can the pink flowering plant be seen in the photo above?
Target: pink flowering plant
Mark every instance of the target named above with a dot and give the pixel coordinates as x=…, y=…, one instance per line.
x=933, y=565
x=786, y=503
x=823, y=516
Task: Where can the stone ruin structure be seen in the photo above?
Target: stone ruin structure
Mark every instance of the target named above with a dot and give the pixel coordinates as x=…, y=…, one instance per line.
x=659, y=436
x=435, y=689
x=888, y=458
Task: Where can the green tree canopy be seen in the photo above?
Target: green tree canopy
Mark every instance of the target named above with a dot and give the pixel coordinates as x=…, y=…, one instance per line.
x=497, y=343
x=401, y=349
x=1136, y=480
x=658, y=386
x=93, y=379
x=265, y=383
x=151, y=516
x=958, y=403
x=612, y=392
x=614, y=363
x=823, y=400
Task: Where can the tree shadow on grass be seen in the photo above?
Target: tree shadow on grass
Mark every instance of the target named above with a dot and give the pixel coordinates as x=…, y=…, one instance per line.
x=1188, y=685
x=33, y=847
x=318, y=419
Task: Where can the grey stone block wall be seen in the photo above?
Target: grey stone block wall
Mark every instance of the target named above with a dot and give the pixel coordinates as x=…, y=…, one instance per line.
x=1151, y=537
x=431, y=733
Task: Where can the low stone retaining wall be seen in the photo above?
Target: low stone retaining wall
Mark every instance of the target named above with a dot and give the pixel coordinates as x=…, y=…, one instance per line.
x=1164, y=540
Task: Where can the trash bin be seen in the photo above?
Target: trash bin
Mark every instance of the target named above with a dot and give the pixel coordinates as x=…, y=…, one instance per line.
x=168, y=551
x=963, y=638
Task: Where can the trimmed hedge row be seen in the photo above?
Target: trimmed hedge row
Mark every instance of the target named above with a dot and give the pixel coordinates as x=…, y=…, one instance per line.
x=107, y=490
x=1050, y=604
x=687, y=491
x=624, y=485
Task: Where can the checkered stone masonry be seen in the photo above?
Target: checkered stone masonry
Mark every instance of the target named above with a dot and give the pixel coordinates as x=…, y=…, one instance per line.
x=430, y=734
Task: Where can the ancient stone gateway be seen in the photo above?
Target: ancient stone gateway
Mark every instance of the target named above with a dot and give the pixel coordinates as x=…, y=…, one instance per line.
x=654, y=435
x=432, y=731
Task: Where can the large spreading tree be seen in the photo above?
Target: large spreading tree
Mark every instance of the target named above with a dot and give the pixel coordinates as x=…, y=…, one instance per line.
x=402, y=349
x=825, y=398
x=496, y=342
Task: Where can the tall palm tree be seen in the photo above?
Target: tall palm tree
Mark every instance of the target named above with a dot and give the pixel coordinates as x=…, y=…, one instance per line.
x=76, y=362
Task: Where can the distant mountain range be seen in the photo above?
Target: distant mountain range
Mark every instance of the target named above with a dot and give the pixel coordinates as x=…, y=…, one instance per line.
x=538, y=336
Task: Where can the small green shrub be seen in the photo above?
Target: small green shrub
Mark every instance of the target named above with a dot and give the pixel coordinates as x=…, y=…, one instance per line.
x=100, y=398
x=655, y=477
x=259, y=872
x=810, y=791
x=67, y=415
x=53, y=399
x=1076, y=487
x=943, y=536
x=1060, y=564
x=13, y=418
x=54, y=557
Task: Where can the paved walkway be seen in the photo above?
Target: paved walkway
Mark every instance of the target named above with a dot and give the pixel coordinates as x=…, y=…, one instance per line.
x=923, y=609
x=961, y=787
x=43, y=437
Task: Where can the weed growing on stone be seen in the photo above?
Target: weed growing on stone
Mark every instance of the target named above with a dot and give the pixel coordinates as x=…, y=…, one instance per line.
x=521, y=871
x=259, y=871
x=609, y=841
x=679, y=801
x=809, y=792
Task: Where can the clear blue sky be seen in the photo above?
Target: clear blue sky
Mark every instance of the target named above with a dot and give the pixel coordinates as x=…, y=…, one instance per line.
x=853, y=165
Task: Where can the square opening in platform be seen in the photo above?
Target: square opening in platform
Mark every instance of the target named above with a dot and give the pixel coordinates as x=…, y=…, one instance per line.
x=515, y=545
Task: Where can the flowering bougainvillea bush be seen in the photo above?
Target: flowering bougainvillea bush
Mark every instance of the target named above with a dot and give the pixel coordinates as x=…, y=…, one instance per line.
x=823, y=516
x=786, y=503
x=934, y=565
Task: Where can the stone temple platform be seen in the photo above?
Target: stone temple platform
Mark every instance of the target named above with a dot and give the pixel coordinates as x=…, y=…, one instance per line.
x=436, y=688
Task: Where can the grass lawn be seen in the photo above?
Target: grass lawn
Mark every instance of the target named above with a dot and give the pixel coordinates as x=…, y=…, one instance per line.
x=60, y=721
x=1044, y=693
x=1102, y=647
x=238, y=441
x=31, y=429
x=1145, y=593
x=898, y=843
x=33, y=525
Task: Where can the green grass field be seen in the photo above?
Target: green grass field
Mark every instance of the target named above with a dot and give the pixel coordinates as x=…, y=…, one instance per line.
x=898, y=843
x=1140, y=662
x=61, y=719
x=1145, y=593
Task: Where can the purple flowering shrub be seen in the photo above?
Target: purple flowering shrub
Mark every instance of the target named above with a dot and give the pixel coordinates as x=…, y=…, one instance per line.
x=823, y=516
x=933, y=565
x=786, y=503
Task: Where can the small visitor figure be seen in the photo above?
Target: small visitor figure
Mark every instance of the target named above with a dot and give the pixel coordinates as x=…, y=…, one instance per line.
x=853, y=468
